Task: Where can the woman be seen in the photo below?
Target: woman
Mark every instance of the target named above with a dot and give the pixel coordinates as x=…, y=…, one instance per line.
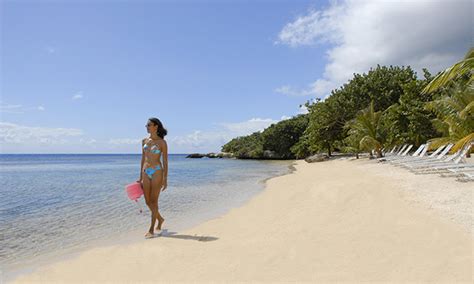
x=156, y=174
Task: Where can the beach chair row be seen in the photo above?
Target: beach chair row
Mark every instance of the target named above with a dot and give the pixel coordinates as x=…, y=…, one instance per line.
x=438, y=162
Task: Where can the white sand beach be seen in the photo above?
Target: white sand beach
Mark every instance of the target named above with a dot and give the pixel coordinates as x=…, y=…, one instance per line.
x=340, y=220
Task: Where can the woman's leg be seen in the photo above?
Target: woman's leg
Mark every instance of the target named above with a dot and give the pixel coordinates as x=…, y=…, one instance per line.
x=146, y=183
x=159, y=217
x=147, y=193
x=156, y=184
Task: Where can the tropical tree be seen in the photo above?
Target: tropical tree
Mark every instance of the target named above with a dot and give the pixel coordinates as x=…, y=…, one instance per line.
x=407, y=120
x=455, y=117
x=246, y=147
x=325, y=126
x=455, y=110
x=366, y=126
x=280, y=137
x=352, y=141
x=463, y=67
x=327, y=118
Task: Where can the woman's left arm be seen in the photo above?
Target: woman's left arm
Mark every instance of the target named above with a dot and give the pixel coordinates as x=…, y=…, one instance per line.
x=165, y=164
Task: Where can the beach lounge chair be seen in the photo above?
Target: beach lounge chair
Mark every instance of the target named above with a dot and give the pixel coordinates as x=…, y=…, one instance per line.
x=425, y=162
x=402, y=152
x=451, y=162
x=424, y=158
x=393, y=149
x=420, y=152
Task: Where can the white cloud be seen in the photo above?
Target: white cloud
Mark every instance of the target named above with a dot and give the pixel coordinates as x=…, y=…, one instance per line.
x=432, y=34
x=77, y=96
x=11, y=133
x=288, y=90
x=10, y=108
x=15, y=138
x=212, y=140
x=88, y=141
x=303, y=110
x=247, y=127
x=125, y=141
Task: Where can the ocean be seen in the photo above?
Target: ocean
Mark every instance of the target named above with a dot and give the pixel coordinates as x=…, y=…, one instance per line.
x=56, y=205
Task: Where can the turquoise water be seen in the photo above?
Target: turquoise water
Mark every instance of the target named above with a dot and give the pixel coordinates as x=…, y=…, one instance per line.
x=54, y=204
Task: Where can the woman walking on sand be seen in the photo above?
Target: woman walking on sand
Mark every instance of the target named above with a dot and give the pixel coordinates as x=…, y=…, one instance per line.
x=155, y=180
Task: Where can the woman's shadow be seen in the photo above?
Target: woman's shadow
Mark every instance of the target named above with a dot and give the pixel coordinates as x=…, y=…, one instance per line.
x=165, y=234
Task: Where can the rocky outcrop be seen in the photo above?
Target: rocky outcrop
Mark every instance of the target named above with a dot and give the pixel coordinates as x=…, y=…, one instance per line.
x=226, y=155
x=317, y=158
x=211, y=155
x=195, y=155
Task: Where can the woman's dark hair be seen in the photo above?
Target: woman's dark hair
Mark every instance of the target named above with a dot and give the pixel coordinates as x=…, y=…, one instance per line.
x=161, y=130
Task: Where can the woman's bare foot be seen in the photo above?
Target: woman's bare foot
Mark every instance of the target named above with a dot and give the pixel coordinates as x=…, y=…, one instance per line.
x=149, y=235
x=160, y=222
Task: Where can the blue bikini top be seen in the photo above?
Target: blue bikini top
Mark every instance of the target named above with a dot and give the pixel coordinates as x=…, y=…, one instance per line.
x=154, y=149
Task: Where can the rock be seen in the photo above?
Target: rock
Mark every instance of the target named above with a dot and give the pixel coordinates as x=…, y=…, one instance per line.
x=226, y=155
x=195, y=155
x=211, y=155
x=317, y=158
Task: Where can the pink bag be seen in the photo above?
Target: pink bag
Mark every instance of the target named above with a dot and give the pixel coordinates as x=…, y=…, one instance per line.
x=134, y=191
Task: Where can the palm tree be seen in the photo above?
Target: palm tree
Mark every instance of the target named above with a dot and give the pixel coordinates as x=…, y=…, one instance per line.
x=456, y=111
x=463, y=67
x=455, y=117
x=366, y=127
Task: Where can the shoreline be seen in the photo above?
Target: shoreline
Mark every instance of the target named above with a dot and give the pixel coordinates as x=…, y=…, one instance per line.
x=125, y=238
x=329, y=221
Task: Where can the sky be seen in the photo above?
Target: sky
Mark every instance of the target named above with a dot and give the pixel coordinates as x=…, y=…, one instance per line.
x=85, y=76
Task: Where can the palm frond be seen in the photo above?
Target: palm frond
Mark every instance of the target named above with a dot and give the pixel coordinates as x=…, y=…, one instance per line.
x=435, y=143
x=369, y=143
x=468, y=111
x=462, y=142
x=465, y=66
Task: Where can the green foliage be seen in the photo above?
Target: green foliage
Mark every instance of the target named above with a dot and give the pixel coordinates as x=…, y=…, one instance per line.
x=365, y=128
x=407, y=121
x=401, y=109
x=281, y=136
x=464, y=67
x=246, y=147
x=324, y=128
x=455, y=117
x=382, y=85
x=302, y=148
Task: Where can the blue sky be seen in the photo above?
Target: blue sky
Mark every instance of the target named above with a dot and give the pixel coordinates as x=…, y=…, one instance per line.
x=84, y=76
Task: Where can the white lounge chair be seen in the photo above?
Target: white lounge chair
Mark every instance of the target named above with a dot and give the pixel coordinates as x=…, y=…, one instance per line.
x=451, y=162
x=403, y=151
x=420, y=152
x=429, y=160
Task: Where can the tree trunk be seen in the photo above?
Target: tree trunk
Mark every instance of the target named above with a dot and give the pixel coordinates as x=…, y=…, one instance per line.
x=329, y=150
x=379, y=153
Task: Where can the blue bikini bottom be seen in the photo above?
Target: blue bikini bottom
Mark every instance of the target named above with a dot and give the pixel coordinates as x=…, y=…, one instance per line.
x=150, y=171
